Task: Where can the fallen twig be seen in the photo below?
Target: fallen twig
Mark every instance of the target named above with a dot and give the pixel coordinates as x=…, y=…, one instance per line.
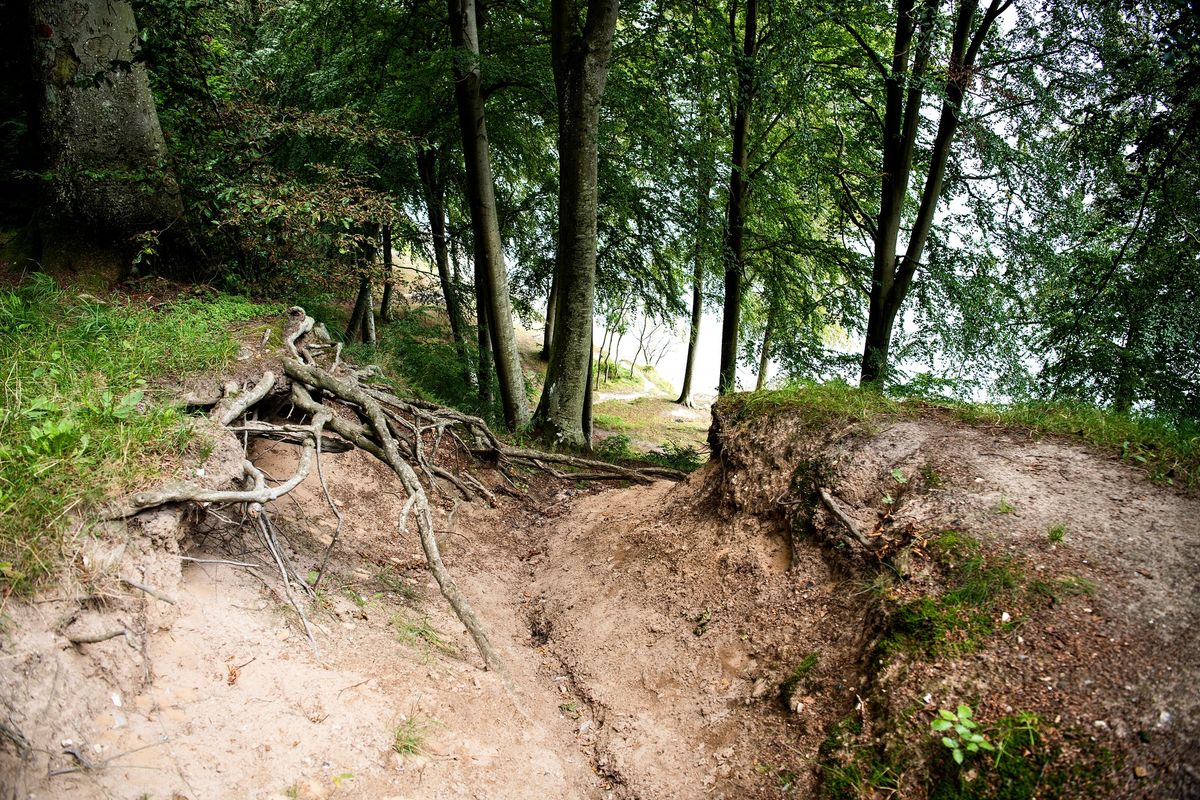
x=849, y=524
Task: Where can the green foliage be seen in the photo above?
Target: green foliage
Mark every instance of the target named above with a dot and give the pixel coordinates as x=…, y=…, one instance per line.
x=412, y=631
x=80, y=416
x=616, y=447
x=408, y=739
x=830, y=403
x=1056, y=533
x=851, y=770
x=969, y=740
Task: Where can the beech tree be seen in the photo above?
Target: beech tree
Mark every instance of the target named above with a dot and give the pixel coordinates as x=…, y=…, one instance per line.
x=485, y=224
x=581, y=46
x=101, y=144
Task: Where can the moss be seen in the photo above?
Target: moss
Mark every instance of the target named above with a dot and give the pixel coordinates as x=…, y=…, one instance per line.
x=795, y=679
x=964, y=615
x=850, y=770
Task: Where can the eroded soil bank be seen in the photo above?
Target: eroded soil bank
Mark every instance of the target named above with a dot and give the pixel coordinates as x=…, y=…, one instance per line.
x=730, y=636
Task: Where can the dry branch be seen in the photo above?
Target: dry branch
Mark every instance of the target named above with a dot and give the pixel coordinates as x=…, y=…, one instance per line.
x=849, y=524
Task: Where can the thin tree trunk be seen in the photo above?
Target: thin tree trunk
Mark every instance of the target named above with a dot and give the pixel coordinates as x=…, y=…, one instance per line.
x=764, y=358
x=483, y=368
x=580, y=50
x=435, y=204
x=368, y=318
x=547, y=339
x=685, y=394
x=389, y=280
x=360, y=307
x=489, y=251
x=735, y=263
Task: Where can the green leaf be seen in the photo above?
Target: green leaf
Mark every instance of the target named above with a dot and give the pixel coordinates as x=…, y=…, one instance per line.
x=964, y=711
x=947, y=715
x=941, y=725
x=951, y=743
x=985, y=744
x=958, y=756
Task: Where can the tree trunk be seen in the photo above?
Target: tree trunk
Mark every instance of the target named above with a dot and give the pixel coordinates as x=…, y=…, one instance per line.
x=95, y=121
x=389, y=281
x=483, y=368
x=892, y=273
x=580, y=52
x=764, y=358
x=360, y=309
x=489, y=251
x=368, y=318
x=547, y=339
x=435, y=193
x=735, y=226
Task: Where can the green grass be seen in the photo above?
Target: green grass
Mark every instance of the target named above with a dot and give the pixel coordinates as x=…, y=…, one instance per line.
x=79, y=415
x=611, y=422
x=1056, y=533
x=408, y=739
x=411, y=631
x=795, y=679
x=1168, y=451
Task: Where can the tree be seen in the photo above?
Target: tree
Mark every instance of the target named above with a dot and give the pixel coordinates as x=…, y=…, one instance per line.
x=581, y=46
x=918, y=24
x=101, y=145
x=485, y=224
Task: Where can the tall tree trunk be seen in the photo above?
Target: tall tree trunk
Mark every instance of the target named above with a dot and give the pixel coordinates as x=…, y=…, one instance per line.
x=685, y=394
x=580, y=52
x=389, y=280
x=485, y=225
x=764, y=358
x=735, y=225
x=95, y=121
x=892, y=273
x=368, y=318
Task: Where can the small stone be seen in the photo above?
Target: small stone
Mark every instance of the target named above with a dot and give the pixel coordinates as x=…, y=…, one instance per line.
x=760, y=688
x=1141, y=771
x=585, y=726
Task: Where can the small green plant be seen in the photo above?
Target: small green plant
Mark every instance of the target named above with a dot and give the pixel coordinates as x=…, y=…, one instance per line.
x=898, y=476
x=932, y=477
x=969, y=740
x=1005, y=507
x=395, y=583
x=683, y=457
x=408, y=739
x=616, y=447
x=1057, y=532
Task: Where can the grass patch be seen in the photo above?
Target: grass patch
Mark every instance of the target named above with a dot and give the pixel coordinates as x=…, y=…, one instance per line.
x=408, y=739
x=1169, y=451
x=79, y=418
x=413, y=632
x=1056, y=533
x=795, y=679
x=958, y=620
x=611, y=422
x=851, y=770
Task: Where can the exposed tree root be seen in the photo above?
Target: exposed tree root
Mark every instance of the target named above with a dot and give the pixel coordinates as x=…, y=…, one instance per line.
x=393, y=430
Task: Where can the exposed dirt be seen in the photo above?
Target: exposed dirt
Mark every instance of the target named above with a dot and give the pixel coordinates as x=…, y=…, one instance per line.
x=647, y=631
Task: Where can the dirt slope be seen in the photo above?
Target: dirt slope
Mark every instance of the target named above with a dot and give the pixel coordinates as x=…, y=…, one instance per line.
x=648, y=632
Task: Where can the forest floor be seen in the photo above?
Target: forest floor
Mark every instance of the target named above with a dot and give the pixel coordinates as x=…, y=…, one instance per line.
x=720, y=637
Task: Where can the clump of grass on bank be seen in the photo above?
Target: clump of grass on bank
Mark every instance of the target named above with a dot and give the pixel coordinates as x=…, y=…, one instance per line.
x=1169, y=451
x=78, y=419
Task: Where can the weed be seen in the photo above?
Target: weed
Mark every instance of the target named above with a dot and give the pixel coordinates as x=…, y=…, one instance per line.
x=408, y=739
x=969, y=740
x=610, y=421
x=849, y=770
x=80, y=418
x=1005, y=507
x=1057, y=532
x=615, y=448
x=1054, y=591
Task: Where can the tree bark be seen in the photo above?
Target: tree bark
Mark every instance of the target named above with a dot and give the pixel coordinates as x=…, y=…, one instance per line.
x=581, y=47
x=95, y=121
x=389, y=281
x=483, y=367
x=489, y=251
x=368, y=318
x=893, y=272
x=764, y=358
x=435, y=203
x=547, y=332
x=361, y=301
x=735, y=224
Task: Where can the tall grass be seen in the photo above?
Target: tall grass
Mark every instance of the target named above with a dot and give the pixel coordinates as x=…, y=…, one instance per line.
x=79, y=417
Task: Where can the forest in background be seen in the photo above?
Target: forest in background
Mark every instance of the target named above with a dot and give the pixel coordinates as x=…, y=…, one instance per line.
x=987, y=199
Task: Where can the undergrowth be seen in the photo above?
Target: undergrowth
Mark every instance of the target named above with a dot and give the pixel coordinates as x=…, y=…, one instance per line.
x=79, y=417
x=1168, y=451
